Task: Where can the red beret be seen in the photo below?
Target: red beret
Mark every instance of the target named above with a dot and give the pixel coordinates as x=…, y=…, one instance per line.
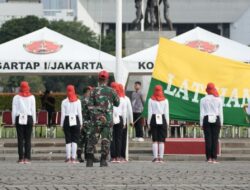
x=103, y=75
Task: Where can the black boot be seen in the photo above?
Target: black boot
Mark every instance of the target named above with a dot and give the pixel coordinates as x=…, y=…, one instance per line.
x=89, y=162
x=103, y=162
x=79, y=156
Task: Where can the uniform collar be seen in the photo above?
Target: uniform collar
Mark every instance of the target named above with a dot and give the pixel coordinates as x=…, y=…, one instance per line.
x=102, y=85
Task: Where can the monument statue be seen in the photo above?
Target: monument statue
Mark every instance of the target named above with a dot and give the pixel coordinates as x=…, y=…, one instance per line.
x=152, y=14
x=166, y=14
x=139, y=15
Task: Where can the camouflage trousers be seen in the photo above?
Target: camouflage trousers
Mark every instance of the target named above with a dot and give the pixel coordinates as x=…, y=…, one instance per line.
x=85, y=135
x=103, y=133
x=83, y=139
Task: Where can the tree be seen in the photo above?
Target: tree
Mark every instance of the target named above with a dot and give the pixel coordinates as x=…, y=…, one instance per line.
x=18, y=27
x=108, y=43
x=35, y=83
x=76, y=31
x=11, y=83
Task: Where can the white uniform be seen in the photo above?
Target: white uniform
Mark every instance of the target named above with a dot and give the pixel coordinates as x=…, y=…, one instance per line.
x=211, y=105
x=25, y=108
x=159, y=132
x=124, y=110
x=158, y=107
x=71, y=133
x=128, y=112
x=120, y=110
x=23, y=105
x=71, y=108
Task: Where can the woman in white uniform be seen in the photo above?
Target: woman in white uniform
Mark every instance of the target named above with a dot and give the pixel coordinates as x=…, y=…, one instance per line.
x=24, y=117
x=211, y=120
x=118, y=112
x=158, y=118
x=127, y=120
x=71, y=121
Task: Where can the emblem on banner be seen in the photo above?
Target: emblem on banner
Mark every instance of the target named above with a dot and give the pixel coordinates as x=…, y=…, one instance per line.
x=42, y=47
x=203, y=46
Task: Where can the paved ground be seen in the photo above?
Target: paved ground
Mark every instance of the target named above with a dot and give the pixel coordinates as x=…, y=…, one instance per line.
x=133, y=175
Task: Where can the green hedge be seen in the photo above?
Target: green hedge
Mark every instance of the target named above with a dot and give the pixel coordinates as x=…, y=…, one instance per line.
x=6, y=100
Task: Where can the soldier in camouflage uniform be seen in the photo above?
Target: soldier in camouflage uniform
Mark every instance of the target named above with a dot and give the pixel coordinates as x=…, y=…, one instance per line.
x=101, y=102
x=82, y=143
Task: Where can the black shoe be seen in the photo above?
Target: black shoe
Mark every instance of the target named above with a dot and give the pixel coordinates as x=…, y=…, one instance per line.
x=80, y=160
x=89, y=162
x=103, y=162
x=79, y=156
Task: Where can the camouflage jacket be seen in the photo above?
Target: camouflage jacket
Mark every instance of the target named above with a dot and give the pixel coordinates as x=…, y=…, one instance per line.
x=101, y=102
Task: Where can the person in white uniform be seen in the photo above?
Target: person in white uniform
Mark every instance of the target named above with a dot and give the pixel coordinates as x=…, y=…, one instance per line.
x=127, y=120
x=24, y=117
x=211, y=120
x=71, y=121
x=158, y=119
x=118, y=121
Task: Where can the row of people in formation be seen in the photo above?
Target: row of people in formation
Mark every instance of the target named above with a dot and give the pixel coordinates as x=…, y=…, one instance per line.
x=77, y=122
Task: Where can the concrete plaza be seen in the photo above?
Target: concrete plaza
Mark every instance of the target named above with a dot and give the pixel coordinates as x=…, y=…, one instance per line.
x=138, y=175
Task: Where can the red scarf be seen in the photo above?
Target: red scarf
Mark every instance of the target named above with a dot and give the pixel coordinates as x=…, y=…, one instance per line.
x=211, y=90
x=24, y=89
x=121, y=90
x=158, y=94
x=71, y=93
x=115, y=86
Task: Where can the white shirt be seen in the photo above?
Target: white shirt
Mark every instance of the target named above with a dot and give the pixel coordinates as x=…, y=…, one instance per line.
x=23, y=105
x=128, y=112
x=211, y=105
x=71, y=108
x=158, y=107
x=124, y=110
x=121, y=108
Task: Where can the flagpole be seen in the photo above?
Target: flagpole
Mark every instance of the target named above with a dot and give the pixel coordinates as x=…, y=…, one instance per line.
x=142, y=20
x=119, y=51
x=118, y=39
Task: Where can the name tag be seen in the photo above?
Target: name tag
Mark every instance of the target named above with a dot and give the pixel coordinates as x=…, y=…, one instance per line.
x=116, y=118
x=72, y=120
x=23, y=119
x=158, y=119
x=212, y=118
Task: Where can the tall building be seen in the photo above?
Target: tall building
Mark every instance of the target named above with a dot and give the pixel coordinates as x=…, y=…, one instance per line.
x=83, y=16
x=59, y=9
x=59, y=4
x=50, y=9
x=10, y=9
